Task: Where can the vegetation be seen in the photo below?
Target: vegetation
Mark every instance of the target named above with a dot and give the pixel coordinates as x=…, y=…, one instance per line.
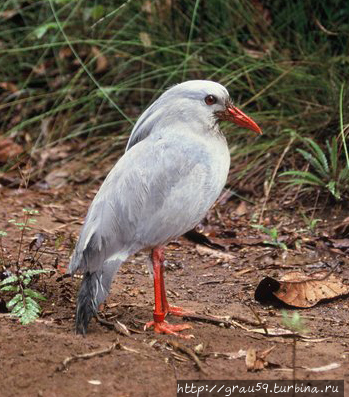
x=24, y=303
x=326, y=173
x=81, y=72
x=295, y=324
x=274, y=236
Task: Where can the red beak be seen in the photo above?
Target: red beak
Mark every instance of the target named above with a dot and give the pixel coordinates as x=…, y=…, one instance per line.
x=238, y=117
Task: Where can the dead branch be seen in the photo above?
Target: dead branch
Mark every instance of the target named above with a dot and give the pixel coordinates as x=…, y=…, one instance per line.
x=68, y=360
x=207, y=319
x=116, y=326
x=189, y=352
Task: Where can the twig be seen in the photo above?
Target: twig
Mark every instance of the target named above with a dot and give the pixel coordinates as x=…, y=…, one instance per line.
x=189, y=352
x=262, y=324
x=116, y=326
x=212, y=282
x=87, y=356
x=318, y=23
x=245, y=320
x=207, y=319
x=219, y=321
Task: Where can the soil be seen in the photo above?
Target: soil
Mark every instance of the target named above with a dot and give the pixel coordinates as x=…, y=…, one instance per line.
x=205, y=280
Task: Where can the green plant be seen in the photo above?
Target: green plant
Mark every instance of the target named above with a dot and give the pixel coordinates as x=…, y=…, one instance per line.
x=273, y=233
x=325, y=173
x=311, y=223
x=296, y=325
x=24, y=303
x=78, y=71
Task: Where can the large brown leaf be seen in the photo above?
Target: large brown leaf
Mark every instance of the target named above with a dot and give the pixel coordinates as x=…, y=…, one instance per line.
x=300, y=290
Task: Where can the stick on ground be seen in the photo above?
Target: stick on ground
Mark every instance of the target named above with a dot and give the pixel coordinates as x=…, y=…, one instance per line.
x=86, y=356
x=189, y=352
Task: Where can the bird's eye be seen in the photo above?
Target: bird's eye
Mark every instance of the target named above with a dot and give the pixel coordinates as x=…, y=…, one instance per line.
x=210, y=100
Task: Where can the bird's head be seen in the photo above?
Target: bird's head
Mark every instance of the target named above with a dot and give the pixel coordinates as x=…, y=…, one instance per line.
x=209, y=100
x=198, y=104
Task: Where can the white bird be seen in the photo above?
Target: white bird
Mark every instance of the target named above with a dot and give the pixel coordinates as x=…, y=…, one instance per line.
x=174, y=168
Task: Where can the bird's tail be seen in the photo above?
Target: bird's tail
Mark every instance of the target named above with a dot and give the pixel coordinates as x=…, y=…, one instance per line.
x=93, y=291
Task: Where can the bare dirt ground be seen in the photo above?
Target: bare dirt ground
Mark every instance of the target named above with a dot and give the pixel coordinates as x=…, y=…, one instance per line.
x=208, y=281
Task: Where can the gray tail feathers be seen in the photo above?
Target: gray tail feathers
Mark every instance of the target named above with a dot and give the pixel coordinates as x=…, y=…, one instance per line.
x=93, y=291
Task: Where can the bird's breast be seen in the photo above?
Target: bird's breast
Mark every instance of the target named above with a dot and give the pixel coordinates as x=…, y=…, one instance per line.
x=218, y=165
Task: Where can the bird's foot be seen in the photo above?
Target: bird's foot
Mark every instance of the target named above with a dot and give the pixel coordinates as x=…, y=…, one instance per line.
x=163, y=327
x=179, y=311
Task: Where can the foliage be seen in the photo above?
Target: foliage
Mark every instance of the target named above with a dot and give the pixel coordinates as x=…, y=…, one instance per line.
x=24, y=303
x=325, y=173
x=81, y=70
x=294, y=323
x=311, y=223
x=273, y=233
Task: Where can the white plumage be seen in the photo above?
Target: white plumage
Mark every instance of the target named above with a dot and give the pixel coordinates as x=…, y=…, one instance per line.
x=175, y=166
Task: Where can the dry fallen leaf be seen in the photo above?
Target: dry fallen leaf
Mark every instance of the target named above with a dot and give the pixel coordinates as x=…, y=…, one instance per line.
x=101, y=60
x=37, y=242
x=40, y=69
x=64, y=52
x=8, y=14
x=241, y=209
x=342, y=228
x=8, y=86
x=230, y=356
x=340, y=242
x=214, y=253
x=300, y=290
x=57, y=178
x=53, y=154
x=251, y=357
x=9, y=149
x=256, y=361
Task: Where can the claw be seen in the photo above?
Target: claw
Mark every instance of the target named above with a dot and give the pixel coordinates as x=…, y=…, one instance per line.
x=164, y=327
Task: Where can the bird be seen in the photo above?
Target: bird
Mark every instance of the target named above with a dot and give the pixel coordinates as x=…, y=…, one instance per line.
x=174, y=167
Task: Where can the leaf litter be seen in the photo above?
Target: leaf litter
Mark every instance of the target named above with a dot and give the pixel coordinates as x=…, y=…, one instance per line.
x=220, y=306
x=301, y=290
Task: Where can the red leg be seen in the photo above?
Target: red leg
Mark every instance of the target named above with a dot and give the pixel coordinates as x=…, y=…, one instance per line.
x=161, y=305
x=174, y=310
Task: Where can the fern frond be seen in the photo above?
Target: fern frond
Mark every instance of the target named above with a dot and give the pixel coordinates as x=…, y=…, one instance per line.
x=332, y=187
x=333, y=151
x=318, y=152
x=343, y=177
x=34, y=294
x=305, y=176
x=14, y=301
x=9, y=280
x=314, y=162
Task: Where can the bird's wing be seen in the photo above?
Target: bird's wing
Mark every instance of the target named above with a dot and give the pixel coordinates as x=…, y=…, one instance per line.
x=157, y=191
x=145, y=124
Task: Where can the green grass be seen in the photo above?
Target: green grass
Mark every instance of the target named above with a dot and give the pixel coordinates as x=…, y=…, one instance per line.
x=285, y=64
